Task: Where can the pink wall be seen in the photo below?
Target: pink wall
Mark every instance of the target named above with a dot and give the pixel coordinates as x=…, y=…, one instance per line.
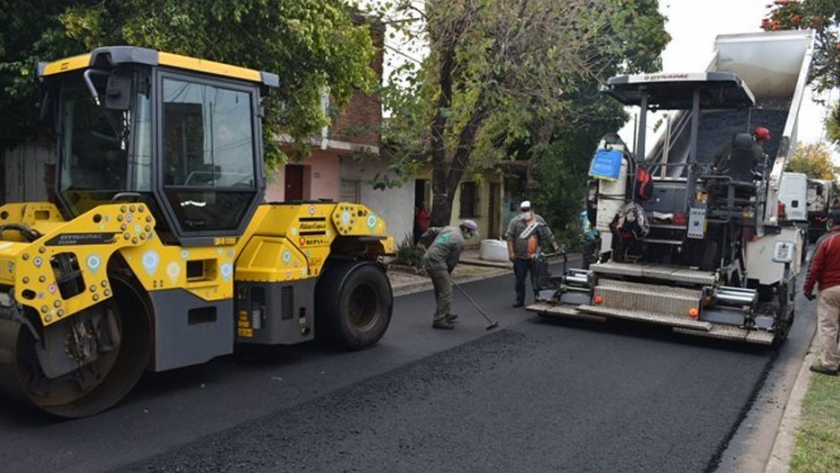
x=274, y=186
x=320, y=178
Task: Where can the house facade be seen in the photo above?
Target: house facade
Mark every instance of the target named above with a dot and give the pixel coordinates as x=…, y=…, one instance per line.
x=344, y=161
x=490, y=201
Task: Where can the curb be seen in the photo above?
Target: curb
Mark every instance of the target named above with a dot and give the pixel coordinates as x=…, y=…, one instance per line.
x=404, y=289
x=426, y=284
x=412, y=288
x=782, y=452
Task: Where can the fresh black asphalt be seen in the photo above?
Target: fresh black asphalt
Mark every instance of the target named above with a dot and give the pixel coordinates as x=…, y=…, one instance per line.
x=536, y=397
x=539, y=399
x=532, y=395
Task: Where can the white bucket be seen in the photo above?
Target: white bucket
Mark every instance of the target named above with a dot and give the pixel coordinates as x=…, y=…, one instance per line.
x=493, y=250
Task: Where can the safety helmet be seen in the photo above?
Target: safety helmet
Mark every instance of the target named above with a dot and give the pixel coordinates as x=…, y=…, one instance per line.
x=761, y=134
x=470, y=226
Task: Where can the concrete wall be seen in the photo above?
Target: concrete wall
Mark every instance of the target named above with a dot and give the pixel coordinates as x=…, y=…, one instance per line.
x=395, y=205
x=338, y=177
x=482, y=206
x=321, y=179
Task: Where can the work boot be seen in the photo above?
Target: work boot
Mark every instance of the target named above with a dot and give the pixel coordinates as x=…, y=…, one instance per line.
x=443, y=324
x=518, y=304
x=452, y=318
x=822, y=369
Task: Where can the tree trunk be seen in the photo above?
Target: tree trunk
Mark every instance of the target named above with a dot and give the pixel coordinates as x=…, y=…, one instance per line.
x=449, y=179
x=441, y=200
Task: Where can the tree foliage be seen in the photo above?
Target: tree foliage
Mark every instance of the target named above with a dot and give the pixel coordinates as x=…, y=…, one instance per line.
x=501, y=75
x=821, y=16
x=832, y=125
x=560, y=168
x=813, y=160
x=30, y=31
x=311, y=44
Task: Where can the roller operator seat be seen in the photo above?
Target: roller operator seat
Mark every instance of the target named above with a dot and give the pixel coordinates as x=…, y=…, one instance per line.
x=742, y=161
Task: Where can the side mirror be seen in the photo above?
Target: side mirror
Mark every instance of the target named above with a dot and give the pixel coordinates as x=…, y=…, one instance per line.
x=118, y=92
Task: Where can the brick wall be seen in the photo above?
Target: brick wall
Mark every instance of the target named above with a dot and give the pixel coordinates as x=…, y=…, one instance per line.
x=360, y=121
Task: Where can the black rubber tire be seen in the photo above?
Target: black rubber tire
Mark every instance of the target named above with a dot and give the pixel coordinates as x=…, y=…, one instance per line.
x=782, y=334
x=353, y=305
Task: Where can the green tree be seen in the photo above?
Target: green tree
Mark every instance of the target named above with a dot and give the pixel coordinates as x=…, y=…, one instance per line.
x=561, y=167
x=500, y=74
x=29, y=31
x=832, y=125
x=312, y=44
x=813, y=160
x=822, y=16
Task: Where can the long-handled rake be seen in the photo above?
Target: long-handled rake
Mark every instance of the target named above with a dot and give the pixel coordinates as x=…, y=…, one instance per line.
x=461, y=289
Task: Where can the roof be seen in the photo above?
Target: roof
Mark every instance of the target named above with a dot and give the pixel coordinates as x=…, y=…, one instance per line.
x=114, y=55
x=674, y=91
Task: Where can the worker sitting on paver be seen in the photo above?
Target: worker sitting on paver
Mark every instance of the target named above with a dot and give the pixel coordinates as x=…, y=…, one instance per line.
x=760, y=136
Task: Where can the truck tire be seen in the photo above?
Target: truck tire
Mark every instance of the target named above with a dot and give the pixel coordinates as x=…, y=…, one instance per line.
x=353, y=305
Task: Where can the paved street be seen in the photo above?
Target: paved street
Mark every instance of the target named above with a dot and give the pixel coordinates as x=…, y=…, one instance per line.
x=532, y=395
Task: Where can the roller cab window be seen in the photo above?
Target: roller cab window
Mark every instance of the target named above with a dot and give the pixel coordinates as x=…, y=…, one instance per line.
x=208, y=157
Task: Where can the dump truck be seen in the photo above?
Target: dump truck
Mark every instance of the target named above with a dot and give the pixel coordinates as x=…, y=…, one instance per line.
x=823, y=195
x=689, y=241
x=793, y=197
x=159, y=251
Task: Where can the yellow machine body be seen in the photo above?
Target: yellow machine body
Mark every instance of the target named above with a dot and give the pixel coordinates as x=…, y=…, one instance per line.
x=159, y=251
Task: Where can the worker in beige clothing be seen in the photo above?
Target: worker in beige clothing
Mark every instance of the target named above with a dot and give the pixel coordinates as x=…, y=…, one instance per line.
x=825, y=274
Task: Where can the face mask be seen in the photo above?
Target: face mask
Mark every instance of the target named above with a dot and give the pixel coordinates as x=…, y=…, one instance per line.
x=526, y=215
x=466, y=235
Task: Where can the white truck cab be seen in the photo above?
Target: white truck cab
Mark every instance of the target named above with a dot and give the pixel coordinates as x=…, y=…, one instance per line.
x=793, y=192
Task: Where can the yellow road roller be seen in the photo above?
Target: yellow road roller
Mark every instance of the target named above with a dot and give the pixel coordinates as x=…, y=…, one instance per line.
x=159, y=251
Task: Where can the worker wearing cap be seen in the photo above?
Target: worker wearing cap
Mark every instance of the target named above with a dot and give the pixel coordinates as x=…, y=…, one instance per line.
x=439, y=261
x=760, y=136
x=526, y=234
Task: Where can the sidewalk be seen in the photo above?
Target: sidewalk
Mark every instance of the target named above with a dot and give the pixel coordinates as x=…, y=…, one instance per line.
x=404, y=280
x=471, y=268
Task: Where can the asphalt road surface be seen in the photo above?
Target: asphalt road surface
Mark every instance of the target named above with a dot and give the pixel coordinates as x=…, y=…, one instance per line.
x=532, y=395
